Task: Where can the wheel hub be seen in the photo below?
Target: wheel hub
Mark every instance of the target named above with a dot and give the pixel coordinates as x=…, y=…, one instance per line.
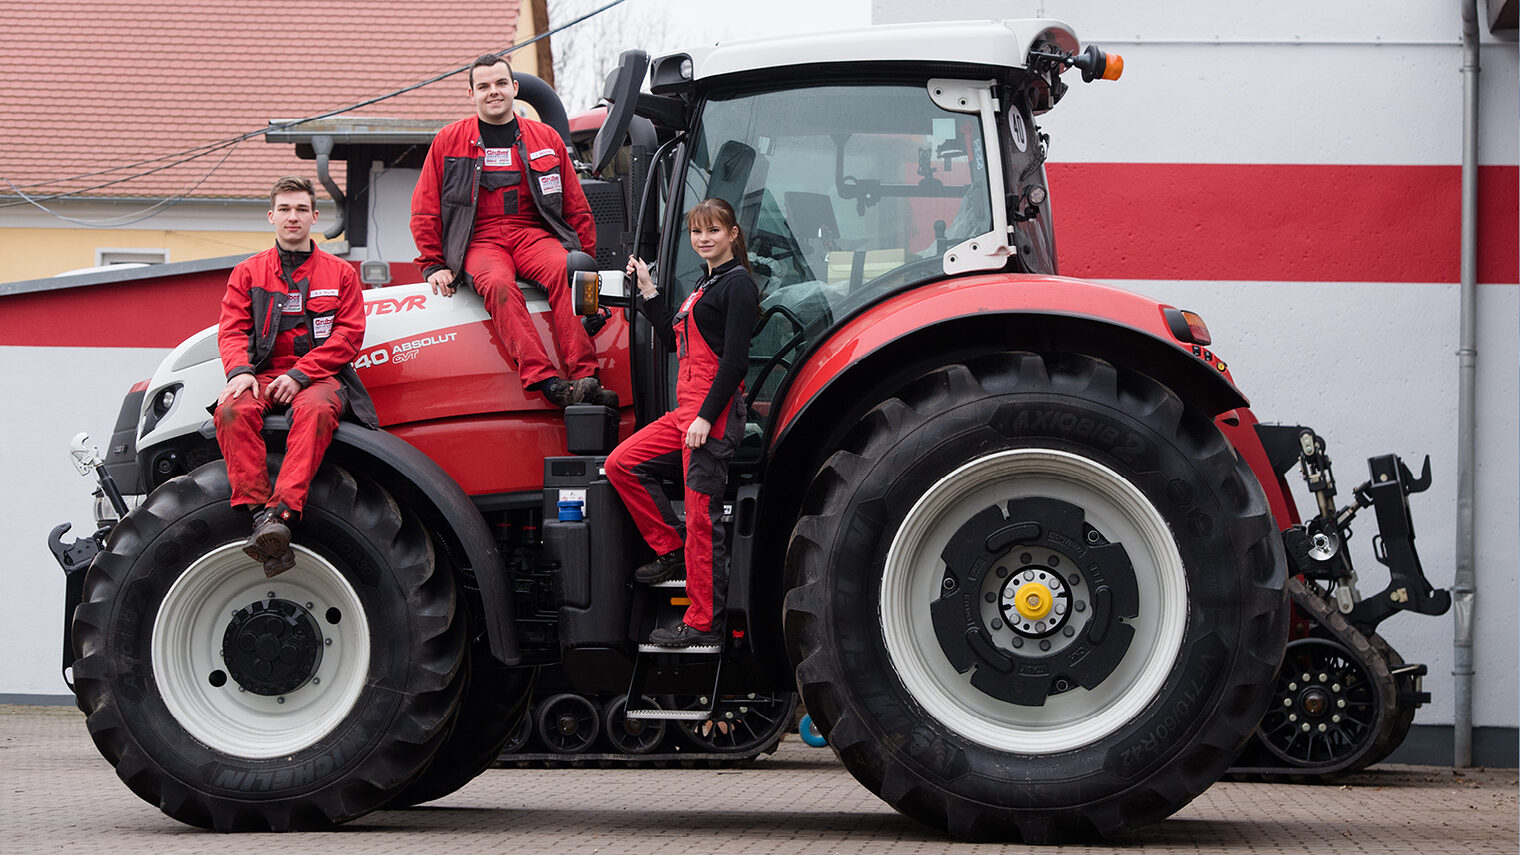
x=1036, y=600
x=272, y=647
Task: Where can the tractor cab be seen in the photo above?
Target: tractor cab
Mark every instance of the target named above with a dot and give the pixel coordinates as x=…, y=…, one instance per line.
x=849, y=187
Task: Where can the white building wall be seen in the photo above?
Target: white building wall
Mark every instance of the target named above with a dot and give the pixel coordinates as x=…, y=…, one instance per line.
x=1370, y=365
x=50, y=394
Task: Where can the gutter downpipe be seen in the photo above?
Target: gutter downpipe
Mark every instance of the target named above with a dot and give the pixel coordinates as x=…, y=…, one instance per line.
x=1464, y=586
x=322, y=145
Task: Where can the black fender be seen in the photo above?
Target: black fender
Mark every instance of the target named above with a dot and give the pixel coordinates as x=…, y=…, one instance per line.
x=415, y=480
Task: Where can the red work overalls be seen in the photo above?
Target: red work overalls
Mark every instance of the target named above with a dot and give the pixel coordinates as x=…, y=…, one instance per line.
x=637, y=464
x=510, y=240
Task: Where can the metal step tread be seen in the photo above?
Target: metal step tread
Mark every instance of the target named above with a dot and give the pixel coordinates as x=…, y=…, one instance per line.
x=707, y=649
x=669, y=715
x=671, y=583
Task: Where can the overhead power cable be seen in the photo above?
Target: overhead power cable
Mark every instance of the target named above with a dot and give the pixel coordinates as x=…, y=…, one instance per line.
x=191, y=154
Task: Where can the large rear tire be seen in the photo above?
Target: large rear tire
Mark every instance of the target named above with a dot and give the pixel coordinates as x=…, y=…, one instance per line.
x=1035, y=596
x=238, y=703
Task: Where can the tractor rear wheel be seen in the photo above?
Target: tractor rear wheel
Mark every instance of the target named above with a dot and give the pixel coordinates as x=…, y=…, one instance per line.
x=1035, y=596
x=235, y=702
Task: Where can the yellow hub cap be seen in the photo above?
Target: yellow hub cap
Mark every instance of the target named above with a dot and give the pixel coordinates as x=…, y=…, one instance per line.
x=1033, y=601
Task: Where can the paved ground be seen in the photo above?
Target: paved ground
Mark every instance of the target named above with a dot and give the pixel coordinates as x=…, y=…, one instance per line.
x=58, y=795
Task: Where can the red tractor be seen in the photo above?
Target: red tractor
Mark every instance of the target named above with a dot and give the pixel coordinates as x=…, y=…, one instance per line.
x=1015, y=538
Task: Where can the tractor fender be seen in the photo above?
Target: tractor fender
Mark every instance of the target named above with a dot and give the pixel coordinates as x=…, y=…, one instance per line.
x=885, y=345
x=416, y=481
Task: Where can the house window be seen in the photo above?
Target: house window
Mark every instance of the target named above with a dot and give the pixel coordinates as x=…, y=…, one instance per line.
x=108, y=257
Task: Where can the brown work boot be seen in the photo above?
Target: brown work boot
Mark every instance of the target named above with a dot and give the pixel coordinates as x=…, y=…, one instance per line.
x=591, y=391
x=271, y=534
x=280, y=563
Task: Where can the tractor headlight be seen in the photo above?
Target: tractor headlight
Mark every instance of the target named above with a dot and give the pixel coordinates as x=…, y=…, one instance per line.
x=160, y=405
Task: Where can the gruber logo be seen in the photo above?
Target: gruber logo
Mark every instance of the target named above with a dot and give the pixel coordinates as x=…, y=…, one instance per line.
x=390, y=306
x=401, y=351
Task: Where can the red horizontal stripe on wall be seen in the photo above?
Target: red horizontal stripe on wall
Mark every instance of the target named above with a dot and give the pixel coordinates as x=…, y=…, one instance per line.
x=1278, y=222
x=150, y=312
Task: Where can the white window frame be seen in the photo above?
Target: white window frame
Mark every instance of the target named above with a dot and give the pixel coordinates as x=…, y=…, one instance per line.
x=105, y=256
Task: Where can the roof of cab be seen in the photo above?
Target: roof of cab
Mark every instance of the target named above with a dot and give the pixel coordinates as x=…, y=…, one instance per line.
x=1000, y=44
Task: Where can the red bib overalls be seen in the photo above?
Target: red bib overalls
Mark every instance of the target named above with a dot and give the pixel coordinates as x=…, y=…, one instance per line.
x=637, y=464
x=511, y=240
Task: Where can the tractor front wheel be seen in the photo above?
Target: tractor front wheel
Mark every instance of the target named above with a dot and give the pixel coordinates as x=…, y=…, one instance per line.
x=1035, y=597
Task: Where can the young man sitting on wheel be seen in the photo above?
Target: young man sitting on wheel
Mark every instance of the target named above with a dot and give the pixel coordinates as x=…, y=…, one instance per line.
x=292, y=320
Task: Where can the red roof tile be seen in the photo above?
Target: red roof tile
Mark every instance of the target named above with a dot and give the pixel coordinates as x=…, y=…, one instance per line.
x=92, y=86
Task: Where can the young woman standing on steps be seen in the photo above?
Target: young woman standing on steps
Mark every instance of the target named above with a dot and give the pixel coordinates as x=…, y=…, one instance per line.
x=710, y=334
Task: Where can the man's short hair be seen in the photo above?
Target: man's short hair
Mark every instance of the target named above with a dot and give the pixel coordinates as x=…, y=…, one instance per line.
x=488, y=60
x=293, y=184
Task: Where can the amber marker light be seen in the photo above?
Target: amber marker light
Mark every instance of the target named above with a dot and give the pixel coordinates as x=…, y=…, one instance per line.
x=1096, y=64
x=1114, y=68
x=1187, y=326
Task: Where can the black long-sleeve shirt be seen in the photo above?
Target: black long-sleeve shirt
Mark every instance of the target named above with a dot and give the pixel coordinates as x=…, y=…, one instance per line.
x=725, y=316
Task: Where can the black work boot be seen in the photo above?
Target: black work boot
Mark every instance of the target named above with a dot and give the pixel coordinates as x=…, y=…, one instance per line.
x=685, y=636
x=667, y=566
x=591, y=391
x=560, y=392
x=271, y=533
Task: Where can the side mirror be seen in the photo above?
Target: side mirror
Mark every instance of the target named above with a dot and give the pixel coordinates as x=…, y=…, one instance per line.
x=623, y=92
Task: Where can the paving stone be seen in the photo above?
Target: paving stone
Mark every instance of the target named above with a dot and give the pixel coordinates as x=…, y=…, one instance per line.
x=58, y=795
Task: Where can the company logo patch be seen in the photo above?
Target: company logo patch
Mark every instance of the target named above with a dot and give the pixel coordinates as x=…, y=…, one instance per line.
x=321, y=328
x=549, y=183
x=293, y=303
x=498, y=157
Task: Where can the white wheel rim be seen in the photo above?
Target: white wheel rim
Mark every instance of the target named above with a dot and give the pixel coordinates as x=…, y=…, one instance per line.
x=187, y=649
x=913, y=571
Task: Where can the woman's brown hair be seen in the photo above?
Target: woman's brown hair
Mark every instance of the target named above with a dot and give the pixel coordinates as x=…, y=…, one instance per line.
x=716, y=212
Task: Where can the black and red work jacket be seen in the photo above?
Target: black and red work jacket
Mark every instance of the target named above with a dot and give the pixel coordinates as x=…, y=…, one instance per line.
x=318, y=308
x=443, y=203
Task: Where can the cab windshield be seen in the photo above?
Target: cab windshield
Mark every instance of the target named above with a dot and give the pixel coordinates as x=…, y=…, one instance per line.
x=844, y=193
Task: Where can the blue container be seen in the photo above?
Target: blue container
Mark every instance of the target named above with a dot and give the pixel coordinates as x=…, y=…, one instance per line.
x=570, y=510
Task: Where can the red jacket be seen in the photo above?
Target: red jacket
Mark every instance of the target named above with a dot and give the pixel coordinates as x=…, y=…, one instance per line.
x=443, y=204
x=325, y=336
